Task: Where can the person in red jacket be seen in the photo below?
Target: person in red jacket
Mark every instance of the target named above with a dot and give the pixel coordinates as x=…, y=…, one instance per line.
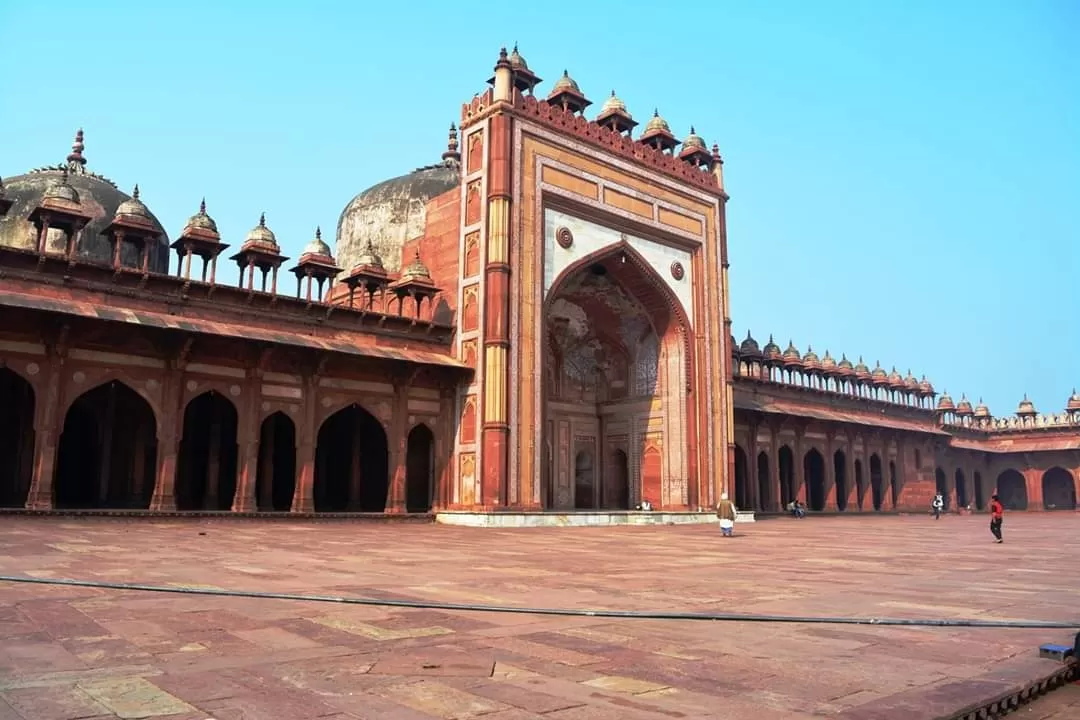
x=997, y=514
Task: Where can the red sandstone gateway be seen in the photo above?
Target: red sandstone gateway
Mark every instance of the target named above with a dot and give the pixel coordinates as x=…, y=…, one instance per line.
x=422, y=366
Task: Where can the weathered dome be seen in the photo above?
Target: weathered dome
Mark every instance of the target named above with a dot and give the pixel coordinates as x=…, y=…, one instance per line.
x=828, y=363
x=316, y=246
x=771, y=349
x=391, y=213
x=201, y=220
x=517, y=61
x=810, y=359
x=861, y=371
x=99, y=198
x=910, y=381
x=133, y=207
x=416, y=270
x=963, y=408
x=946, y=402
x=614, y=105
x=791, y=355
x=845, y=365
x=657, y=123
x=262, y=236
x=981, y=411
x=694, y=140
x=566, y=83
x=896, y=380
x=1026, y=407
x=925, y=387
x=749, y=346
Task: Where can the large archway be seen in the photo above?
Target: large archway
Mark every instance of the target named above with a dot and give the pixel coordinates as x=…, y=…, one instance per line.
x=765, y=495
x=840, y=473
x=877, y=482
x=1058, y=490
x=616, y=374
x=743, y=494
x=814, y=472
x=275, y=481
x=617, y=492
x=960, y=480
x=419, y=469
x=584, y=481
x=1012, y=490
x=351, y=463
x=785, y=462
x=108, y=451
x=206, y=463
x=16, y=438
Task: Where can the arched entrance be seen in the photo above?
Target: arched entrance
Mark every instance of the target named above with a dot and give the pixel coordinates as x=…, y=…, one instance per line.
x=743, y=496
x=877, y=482
x=980, y=491
x=617, y=496
x=1058, y=490
x=206, y=464
x=351, y=463
x=584, y=485
x=860, y=484
x=616, y=374
x=419, y=469
x=941, y=484
x=840, y=472
x=785, y=461
x=961, y=489
x=1012, y=490
x=765, y=496
x=275, y=481
x=107, y=452
x=16, y=438
x=814, y=471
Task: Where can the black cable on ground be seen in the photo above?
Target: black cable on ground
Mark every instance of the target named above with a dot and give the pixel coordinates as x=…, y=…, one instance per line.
x=565, y=612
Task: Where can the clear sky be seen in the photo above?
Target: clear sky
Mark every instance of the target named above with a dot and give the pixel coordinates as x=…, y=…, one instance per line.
x=904, y=176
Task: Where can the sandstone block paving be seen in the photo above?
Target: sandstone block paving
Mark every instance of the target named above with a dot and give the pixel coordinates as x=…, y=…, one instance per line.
x=72, y=653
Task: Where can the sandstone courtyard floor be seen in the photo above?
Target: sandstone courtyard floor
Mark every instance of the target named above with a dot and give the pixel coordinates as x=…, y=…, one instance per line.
x=68, y=652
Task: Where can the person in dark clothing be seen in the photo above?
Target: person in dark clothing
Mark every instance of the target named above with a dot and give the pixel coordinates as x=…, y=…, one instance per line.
x=997, y=514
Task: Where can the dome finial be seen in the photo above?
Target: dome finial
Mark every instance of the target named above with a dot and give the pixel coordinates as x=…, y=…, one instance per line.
x=262, y=219
x=75, y=161
x=452, y=156
x=318, y=232
x=135, y=192
x=202, y=206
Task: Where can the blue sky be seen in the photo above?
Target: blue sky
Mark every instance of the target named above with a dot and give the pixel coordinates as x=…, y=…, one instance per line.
x=904, y=176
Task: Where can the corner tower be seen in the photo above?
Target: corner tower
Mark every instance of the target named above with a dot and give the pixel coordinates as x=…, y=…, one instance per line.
x=593, y=307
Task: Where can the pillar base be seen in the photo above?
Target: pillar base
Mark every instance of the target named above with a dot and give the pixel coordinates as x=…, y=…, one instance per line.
x=163, y=503
x=39, y=501
x=303, y=507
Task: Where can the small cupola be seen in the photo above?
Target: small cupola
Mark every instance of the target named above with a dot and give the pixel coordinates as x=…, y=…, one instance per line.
x=199, y=238
x=695, y=152
x=415, y=282
x=615, y=117
x=368, y=275
x=524, y=79
x=62, y=208
x=567, y=95
x=317, y=266
x=658, y=134
x=132, y=223
x=260, y=250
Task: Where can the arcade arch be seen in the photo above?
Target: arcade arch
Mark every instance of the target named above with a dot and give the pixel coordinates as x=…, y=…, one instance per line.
x=107, y=451
x=275, y=480
x=1058, y=489
x=16, y=438
x=206, y=462
x=765, y=494
x=1012, y=490
x=814, y=472
x=616, y=371
x=419, y=469
x=840, y=473
x=743, y=495
x=351, y=463
x=877, y=482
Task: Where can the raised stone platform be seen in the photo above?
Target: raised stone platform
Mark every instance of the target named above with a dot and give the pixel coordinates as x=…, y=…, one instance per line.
x=579, y=518
x=73, y=652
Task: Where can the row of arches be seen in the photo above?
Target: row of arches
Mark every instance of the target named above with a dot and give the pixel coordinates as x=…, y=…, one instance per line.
x=871, y=490
x=107, y=455
x=1057, y=485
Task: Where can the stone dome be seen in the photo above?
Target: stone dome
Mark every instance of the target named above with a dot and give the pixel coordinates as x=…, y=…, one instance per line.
x=99, y=197
x=614, y=105
x=749, y=346
x=945, y=403
x=963, y=408
x=262, y=236
x=1026, y=407
x=566, y=83
x=845, y=366
x=316, y=246
x=811, y=359
x=693, y=140
x=981, y=411
x=771, y=351
x=386, y=216
x=657, y=123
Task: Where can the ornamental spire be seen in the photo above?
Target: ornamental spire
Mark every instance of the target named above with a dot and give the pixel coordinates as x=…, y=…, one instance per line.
x=75, y=161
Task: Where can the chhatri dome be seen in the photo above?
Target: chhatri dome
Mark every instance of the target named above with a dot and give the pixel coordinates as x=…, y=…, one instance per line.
x=386, y=216
x=98, y=196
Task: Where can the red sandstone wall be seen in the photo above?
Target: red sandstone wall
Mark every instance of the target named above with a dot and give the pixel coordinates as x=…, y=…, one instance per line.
x=440, y=244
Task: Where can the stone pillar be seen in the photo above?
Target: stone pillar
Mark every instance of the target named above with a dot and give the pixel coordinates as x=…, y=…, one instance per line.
x=495, y=433
x=444, y=450
x=774, y=470
x=398, y=436
x=47, y=428
x=1033, y=481
x=800, y=466
x=248, y=427
x=265, y=470
x=849, y=476
x=164, y=499
x=306, y=435
x=830, y=474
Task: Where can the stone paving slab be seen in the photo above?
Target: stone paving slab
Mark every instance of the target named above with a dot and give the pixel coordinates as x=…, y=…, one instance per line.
x=70, y=653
